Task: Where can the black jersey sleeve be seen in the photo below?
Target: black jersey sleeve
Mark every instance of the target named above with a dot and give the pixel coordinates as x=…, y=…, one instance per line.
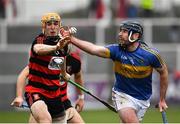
x=73, y=65
x=39, y=39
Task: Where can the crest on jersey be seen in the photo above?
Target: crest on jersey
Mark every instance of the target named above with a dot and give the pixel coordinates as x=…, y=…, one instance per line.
x=56, y=63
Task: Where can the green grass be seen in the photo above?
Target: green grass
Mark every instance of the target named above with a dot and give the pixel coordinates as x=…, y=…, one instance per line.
x=99, y=116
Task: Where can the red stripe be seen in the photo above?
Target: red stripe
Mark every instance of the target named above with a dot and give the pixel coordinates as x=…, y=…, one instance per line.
x=64, y=85
x=43, y=80
x=64, y=91
x=76, y=56
x=43, y=69
x=44, y=58
x=49, y=94
x=64, y=98
x=64, y=88
x=40, y=39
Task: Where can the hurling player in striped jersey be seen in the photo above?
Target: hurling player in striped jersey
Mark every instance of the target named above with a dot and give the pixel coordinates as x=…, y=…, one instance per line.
x=42, y=92
x=73, y=67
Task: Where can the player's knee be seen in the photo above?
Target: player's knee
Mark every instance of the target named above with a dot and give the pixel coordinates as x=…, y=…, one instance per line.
x=128, y=116
x=61, y=119
x=43, y=119
x=129, y=119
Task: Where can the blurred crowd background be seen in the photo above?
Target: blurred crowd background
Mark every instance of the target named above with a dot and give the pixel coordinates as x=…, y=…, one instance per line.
x=97, y=21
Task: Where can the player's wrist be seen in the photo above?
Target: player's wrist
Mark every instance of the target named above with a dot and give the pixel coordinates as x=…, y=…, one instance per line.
x=19, y=95
x=57, y=47
x=81, y=96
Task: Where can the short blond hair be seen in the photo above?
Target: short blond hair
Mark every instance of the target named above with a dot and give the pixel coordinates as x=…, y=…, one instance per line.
x=50, y=17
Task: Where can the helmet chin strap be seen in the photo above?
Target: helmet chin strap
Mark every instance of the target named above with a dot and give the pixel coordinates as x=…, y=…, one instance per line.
x=129, y=38
x=131, y=41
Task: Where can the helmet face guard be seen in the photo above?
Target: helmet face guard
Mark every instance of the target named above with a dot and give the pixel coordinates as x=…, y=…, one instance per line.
x=132, y=27
x=50, y=17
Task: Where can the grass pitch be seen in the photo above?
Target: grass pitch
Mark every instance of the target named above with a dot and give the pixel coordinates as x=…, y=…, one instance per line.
x=99, y=116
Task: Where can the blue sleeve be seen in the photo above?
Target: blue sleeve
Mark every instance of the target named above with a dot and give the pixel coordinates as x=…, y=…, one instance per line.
x=156, y=60
x=112, y=49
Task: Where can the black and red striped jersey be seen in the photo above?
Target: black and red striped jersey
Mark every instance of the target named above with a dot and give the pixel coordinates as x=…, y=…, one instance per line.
x=43, y=71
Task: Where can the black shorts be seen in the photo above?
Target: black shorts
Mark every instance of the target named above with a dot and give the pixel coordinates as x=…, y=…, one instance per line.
x=67, y=104
x=55, y=106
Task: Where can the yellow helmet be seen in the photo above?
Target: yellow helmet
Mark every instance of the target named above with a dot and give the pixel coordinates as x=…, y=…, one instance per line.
x=50, y=17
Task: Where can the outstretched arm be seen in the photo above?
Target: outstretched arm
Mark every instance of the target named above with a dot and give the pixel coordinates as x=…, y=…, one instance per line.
x=90, y=47
x=21, y=80
x=163, y=87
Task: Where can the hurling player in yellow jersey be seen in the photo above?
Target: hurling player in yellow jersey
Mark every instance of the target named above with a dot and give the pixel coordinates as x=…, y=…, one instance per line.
x=134, y=62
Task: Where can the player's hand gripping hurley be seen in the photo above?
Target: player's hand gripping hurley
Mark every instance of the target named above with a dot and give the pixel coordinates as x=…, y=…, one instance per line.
x=88, y=92
x=163, y=113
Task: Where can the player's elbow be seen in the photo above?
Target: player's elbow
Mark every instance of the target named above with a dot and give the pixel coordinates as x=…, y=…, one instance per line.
x=94, y=51
x=165, y=71
x=36, y=49
x=164, y=74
